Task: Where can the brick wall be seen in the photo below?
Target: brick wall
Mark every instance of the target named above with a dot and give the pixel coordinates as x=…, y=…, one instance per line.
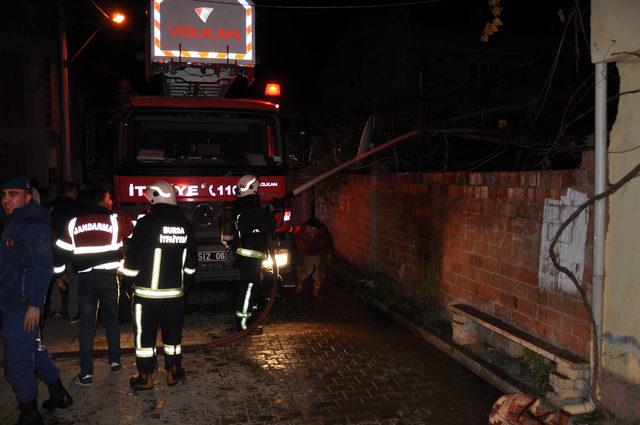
x=476, y=235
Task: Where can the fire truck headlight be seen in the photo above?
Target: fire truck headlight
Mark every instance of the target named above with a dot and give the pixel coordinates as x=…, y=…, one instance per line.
x=283, y=259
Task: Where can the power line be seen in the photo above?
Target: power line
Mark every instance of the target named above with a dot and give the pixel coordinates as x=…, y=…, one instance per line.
x=346, y=6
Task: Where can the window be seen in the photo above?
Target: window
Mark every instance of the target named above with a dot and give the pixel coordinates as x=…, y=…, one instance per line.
x=202, y=138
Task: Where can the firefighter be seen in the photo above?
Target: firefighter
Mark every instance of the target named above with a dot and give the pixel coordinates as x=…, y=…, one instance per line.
x=92, y=243
x=160, y=255
x=254, y=226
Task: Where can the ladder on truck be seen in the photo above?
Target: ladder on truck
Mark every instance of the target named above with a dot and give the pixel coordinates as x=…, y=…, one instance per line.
x=202, y=82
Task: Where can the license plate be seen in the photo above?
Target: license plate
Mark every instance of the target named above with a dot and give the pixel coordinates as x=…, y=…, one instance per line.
x=209, y=256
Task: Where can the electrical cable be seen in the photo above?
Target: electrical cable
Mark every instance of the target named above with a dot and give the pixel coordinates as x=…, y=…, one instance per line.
x=626, y=150
x=554, y=67
x=346, y=6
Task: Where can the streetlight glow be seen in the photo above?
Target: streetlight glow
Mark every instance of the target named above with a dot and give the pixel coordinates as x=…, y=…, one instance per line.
x=118, y=18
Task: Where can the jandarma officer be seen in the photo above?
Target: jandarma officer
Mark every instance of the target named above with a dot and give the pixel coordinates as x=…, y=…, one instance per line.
x=25, y=272
x=160, y=256
x=92, y=244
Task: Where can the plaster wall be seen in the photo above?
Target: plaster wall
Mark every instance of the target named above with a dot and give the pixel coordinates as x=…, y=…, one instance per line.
x=621, y=321
x=615, y=29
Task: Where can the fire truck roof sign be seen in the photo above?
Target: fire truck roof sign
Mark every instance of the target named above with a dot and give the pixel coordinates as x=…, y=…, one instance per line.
x=202, y=31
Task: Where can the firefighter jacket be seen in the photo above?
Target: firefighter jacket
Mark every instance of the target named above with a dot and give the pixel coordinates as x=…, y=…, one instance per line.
x=161, y=251
x=254, y=225
x=92, y=241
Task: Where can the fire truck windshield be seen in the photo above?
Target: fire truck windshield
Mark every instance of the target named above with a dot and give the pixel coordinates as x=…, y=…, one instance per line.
x=195, y=137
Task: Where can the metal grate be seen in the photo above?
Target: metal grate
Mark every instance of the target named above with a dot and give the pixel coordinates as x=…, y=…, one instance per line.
x=204, y=82
x=178, y=87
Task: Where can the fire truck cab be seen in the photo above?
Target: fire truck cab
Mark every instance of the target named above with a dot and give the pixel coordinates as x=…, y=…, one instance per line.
x=202, y=145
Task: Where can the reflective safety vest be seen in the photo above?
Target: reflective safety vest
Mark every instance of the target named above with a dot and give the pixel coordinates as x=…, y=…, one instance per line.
x=253, y=226
x=160, y=253
x=92, y=242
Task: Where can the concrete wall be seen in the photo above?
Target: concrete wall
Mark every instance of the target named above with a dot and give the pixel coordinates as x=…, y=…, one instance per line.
x=481, y=238
x=615, y=29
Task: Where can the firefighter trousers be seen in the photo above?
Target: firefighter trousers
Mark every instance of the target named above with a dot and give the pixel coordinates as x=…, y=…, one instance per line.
x=249, y=291
x=148, y=314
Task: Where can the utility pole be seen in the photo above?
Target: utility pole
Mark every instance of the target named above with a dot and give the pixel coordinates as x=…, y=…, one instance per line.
x=117, y=19
x=65, y=159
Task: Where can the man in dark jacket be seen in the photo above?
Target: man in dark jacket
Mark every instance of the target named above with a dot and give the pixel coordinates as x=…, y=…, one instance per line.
x=160, y=255
x=25, y=272
x=62, y=210
x=254, y=226
x=92, y=243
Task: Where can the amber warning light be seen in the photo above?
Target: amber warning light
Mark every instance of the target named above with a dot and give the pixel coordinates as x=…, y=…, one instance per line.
x=272, y=90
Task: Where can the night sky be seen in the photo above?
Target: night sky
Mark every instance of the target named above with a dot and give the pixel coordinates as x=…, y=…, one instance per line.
x=292, y=43
x=296, y=43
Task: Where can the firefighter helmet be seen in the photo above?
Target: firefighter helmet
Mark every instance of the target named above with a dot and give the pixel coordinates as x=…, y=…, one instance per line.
x=161, y=192
x=247, y=185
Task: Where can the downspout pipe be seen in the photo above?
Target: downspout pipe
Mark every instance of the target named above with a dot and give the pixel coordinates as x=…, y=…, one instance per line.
x=597, y=287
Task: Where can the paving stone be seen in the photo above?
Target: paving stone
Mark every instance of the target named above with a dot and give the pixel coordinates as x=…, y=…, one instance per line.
x=333, y=361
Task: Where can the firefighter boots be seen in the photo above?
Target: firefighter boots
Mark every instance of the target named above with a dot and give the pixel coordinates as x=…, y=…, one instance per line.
x=29, y=414
x=175, y=375
x=141, y=381
x=59, y=398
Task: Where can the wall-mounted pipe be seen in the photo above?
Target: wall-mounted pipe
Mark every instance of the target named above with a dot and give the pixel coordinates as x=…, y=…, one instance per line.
x=597, y=287
x=599, y=213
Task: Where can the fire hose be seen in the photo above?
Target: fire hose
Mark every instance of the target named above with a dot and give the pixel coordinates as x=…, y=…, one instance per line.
x=261, y=318
x=274, y=287
x=290, y=195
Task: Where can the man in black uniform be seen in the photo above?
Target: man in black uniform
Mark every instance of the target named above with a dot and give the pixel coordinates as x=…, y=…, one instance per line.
x=92, y=244
x=161, y=252
x=254, y=226
x=63, y=209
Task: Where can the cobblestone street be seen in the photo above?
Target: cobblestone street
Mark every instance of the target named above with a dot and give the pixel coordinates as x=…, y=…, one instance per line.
x=332, y=361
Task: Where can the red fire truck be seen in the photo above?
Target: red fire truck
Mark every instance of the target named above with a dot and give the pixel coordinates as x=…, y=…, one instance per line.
x=194, y=136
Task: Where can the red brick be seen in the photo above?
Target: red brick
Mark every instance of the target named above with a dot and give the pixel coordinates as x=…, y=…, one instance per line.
x=488, y=247
x=491, y=265
x=475, y=179
x=551, y=317
x=527, y=308
x=508, y=210
x=490, y=292
x=528, y=276
x=536, y=295
x=502, y=312
x=506, y=299
x=521, y=321
x=513, y=179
